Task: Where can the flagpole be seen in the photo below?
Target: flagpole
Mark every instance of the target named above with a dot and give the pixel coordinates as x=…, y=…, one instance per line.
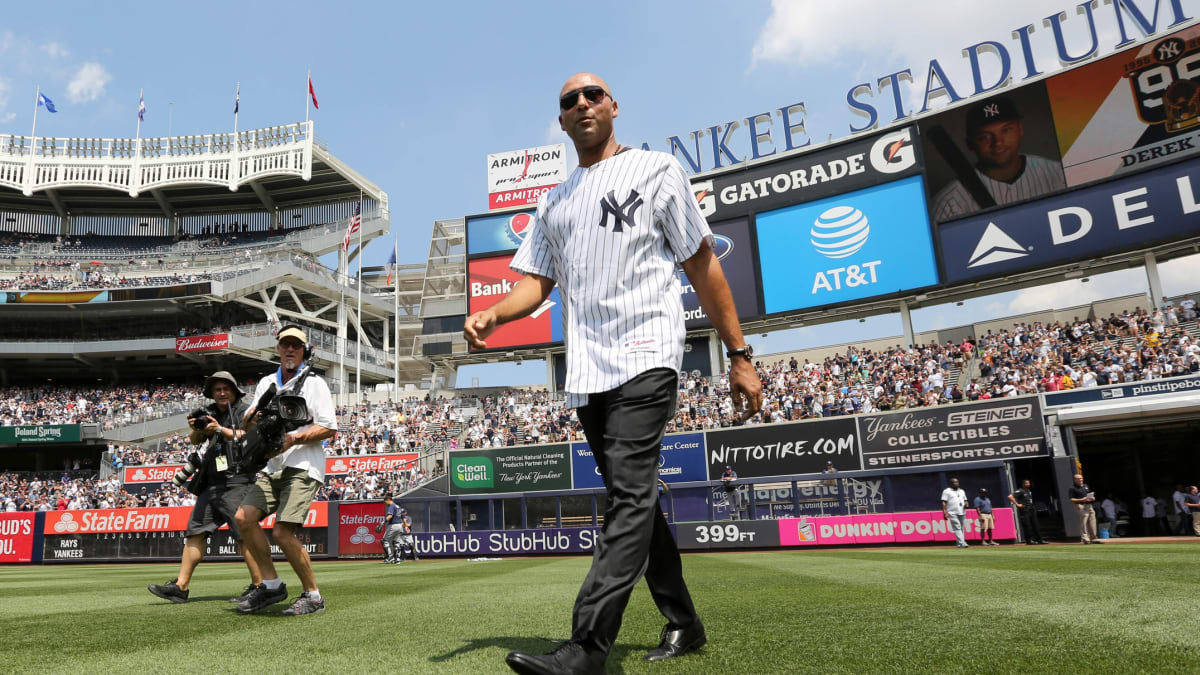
x=33, y=134
x=395, y=319
x=237, y=104
x=141, y=92
x=307, y=84
x=342, y=265
x=358, y=332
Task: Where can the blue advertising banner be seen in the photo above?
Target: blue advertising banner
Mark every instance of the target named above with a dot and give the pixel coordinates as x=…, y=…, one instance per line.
x=497, y=233
x=1129, y=213
x=681, y=461
x=506, y=542
x=875, y=241
x=733, y=247
x=1175, y=385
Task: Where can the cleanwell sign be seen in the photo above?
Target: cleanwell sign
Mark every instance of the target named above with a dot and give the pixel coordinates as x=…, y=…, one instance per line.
x=875, y=241
x=1129, y=213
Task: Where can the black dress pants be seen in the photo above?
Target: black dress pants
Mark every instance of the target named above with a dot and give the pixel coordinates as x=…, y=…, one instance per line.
x=1029, y=524
x=624, y=427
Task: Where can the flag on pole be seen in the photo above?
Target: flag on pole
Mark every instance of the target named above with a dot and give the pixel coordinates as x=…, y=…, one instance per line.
x=45, y=100
x=237, y=99
x=355, y=223
x=388, y=268
x=141, y=108
x=312, y=93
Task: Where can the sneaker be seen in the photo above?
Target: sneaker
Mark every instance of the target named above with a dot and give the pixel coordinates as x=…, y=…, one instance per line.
x=169, y=591
x=244, y=594
x=305, y=605
x=261, y=597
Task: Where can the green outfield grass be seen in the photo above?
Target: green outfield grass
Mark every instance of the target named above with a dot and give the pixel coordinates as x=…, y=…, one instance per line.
x=1097, y=609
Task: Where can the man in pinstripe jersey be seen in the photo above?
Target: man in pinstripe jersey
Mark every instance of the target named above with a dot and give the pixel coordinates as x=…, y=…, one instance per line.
x=611, y=237
x=994, y=132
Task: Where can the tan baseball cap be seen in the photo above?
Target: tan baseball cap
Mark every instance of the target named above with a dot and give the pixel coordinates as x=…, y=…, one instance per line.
x=293, y=332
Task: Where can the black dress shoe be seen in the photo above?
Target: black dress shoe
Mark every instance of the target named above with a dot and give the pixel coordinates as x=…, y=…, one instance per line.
x=678, y=641
x=569, y=658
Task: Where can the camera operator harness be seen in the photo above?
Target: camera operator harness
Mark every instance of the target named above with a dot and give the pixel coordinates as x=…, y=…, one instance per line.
x=279, y=414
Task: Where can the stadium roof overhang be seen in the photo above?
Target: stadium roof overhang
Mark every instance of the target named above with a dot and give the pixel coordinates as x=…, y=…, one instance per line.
x=275, y=168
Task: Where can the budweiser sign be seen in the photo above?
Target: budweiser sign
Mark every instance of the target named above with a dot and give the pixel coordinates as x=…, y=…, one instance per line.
x=344, y=465
x=154, y=473
x=202, y=343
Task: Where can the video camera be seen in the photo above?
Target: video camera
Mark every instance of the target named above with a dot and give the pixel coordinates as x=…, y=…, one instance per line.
x=277, y=414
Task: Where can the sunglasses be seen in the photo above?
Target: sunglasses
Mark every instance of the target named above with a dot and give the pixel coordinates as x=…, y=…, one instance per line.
x=592, y=93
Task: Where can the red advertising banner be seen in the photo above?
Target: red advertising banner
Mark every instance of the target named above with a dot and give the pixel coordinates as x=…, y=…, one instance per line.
x=202, y=343
x=337, y=466
x=885, y=528
x=488, y=281
x=158, y=519
x=153, y=473
x=356, y=529
x=521, y=197
x=16, y=537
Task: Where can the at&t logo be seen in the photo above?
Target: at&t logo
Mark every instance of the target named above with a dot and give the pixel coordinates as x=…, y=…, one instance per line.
x=840, y=232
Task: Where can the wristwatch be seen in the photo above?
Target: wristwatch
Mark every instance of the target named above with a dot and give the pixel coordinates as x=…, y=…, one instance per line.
x=746, y=351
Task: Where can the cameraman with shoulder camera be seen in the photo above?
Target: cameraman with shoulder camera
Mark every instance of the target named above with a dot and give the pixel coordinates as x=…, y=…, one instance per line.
x=219, y=489
x=295, y=472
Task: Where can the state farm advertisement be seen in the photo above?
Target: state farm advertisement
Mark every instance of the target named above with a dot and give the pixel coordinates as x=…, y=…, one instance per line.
x=337, y=466
x=886, y=528
x=156, y=519
x=356, y=529
x=202, y=343
x=16, y=537
x=153, y=473
x=488, y=281
x=521, y=177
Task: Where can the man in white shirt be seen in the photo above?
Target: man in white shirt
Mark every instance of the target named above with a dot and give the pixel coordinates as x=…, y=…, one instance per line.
x=954, y=510
x=1150, y=517
x=611, y=236
x=293, y=477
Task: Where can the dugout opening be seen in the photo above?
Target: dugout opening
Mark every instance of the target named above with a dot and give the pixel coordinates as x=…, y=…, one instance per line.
x=1133, y=458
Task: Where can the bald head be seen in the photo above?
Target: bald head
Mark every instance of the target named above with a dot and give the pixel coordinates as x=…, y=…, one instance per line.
x=580, y=80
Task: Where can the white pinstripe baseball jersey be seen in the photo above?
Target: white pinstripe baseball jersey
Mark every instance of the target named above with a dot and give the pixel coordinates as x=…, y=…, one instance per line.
x=1040, y=176
x=611, y=236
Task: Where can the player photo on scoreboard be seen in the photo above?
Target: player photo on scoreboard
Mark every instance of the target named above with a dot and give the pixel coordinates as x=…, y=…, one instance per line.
x=1129, y=111
x=992, y=151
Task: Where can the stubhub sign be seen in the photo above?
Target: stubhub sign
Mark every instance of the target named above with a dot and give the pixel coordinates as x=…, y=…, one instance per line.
x=1130, y=213
x=874, y=241
x=681, y=461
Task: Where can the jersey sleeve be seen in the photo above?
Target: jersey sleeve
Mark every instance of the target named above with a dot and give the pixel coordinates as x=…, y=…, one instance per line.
x=535, y=255
x=323, y=412
x=678, y=213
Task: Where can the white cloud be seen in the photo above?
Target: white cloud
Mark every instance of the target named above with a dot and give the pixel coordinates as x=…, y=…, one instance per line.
x=89, y=83
x=815, y=33
x=55, y=50
x=4, y=88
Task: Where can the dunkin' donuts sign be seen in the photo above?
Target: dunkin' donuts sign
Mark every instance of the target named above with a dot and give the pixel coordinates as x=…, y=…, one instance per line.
x=202, y=343
x=342, y=465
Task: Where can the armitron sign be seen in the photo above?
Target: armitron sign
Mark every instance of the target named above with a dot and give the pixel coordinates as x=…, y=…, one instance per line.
x=521, y=177
x=202, y=343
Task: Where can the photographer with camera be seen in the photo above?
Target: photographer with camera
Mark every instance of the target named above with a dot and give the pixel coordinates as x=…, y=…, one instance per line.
x=218, y=487
x=280, y=429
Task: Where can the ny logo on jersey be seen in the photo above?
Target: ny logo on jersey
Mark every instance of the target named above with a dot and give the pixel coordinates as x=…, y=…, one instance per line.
x=622, y=214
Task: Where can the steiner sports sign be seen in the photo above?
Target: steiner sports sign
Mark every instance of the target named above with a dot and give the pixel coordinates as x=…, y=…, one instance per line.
x=1008, y=428
x=521, y=177
x=202, y=343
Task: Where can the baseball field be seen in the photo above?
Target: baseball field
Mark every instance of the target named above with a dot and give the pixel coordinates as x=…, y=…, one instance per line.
x=1120, y=608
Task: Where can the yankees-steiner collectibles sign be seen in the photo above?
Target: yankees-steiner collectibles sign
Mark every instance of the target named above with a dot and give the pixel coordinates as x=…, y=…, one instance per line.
x=1009, y=428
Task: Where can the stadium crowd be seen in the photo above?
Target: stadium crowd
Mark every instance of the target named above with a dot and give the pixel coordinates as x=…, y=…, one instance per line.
x=110, y=405
x=70, y=490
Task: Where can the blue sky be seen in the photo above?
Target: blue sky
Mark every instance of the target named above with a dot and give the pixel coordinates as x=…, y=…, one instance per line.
x=415, y=95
